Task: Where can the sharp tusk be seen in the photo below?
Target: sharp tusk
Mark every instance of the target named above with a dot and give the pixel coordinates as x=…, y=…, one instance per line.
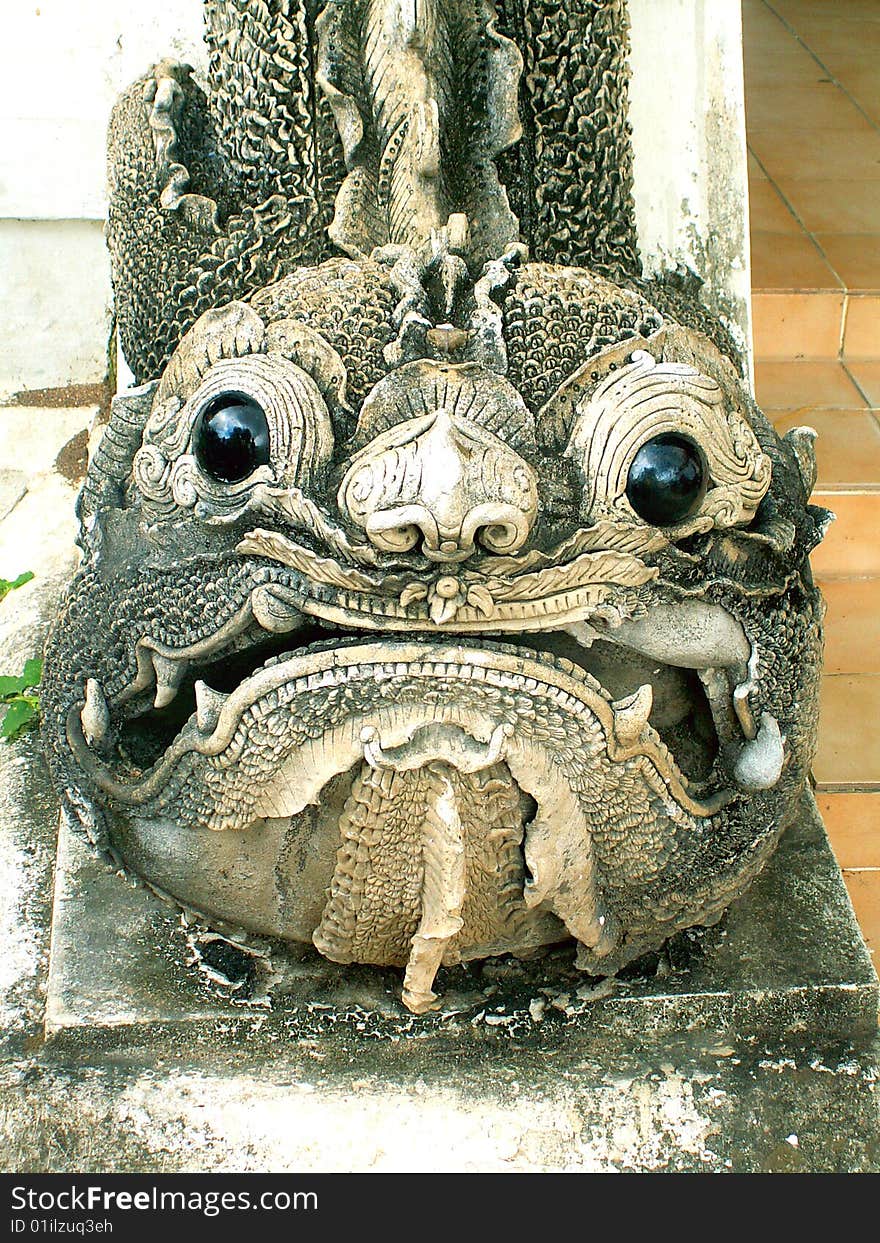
x=742, y=694
x=169, y=675
x=743, y=709
x=631, y=715
x=95, y=716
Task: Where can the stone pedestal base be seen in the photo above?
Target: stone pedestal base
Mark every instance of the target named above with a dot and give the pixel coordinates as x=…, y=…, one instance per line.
x=786, y=963
x=748, y=1046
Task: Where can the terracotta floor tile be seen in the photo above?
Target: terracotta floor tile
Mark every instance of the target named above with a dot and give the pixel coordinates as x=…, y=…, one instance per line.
x=849, y=743
x=862, y=331
x=829, y=38
x=805, y=386
x=856, y=74
x=849, y=66
x=783, y=261
x=867, y=96
x=783, y=74
x=852, y=626
x=761, y=27
x=780, y=47
x=763, y=35
x=781, y=66
x=853, y=824
x=788, y=154
x=826, y=205
x=847, y=449
x=867, y=376
x=851, y=547
x=821, y=105
x=864, y=893
x=768, y=211
x=796, y=325
x=855, y=257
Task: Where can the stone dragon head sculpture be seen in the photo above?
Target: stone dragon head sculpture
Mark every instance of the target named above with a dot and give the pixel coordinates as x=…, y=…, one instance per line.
x=437, y=602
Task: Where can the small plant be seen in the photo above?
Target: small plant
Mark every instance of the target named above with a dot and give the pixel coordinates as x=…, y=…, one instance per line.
x=18, y=696
x=7, y=585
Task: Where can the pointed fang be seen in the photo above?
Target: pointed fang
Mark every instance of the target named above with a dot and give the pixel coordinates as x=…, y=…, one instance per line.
x=169, y=675
x=631, y=715
x=208, y=705
x=95, y=716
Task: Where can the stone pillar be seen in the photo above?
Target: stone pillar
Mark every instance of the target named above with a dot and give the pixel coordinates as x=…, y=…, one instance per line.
x=689, y=145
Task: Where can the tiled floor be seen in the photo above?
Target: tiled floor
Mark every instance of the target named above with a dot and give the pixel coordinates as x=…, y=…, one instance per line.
x=813, y=121
x=813, y=114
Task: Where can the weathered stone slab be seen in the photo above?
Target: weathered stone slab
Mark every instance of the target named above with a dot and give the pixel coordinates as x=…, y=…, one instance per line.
x=787, y=962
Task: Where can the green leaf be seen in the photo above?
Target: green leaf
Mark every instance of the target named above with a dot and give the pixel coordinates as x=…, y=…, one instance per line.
x=32, y=672
x=18, y=716
x=6, y=585
x=11, y=686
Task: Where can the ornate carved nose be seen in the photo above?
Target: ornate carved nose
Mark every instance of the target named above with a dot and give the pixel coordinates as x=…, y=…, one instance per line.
x=442, y=481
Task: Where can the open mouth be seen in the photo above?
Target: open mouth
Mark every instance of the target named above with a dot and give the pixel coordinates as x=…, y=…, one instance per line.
x=681, y=712
x=685, y=673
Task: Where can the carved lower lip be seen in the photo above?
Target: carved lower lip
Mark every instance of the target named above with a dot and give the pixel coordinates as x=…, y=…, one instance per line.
x=624, y=723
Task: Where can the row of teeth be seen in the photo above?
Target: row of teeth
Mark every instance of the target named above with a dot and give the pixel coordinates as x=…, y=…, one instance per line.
x=168, y=672
x=95, y=715
x=630, y=714
x=758, y=765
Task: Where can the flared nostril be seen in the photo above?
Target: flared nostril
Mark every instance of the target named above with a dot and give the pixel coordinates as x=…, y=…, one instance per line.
x=495, y=527
x=399, y=530
x=444, y=486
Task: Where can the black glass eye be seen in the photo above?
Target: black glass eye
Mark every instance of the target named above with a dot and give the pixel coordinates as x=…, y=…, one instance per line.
x=665, y=480
x=232, y=438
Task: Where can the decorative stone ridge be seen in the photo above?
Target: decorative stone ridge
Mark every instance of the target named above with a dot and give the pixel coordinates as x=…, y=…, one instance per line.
x=437, y=603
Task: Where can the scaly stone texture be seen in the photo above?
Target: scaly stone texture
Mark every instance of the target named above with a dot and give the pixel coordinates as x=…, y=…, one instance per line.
x=444, y=594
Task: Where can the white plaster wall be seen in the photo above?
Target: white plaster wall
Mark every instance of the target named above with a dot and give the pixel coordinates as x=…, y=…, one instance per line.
x=71, y=59
x=689, y=148
x=54, y=304
x=67, y=60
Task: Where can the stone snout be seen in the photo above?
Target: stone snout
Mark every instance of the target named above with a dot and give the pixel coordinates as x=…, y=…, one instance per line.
x=442, y=482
